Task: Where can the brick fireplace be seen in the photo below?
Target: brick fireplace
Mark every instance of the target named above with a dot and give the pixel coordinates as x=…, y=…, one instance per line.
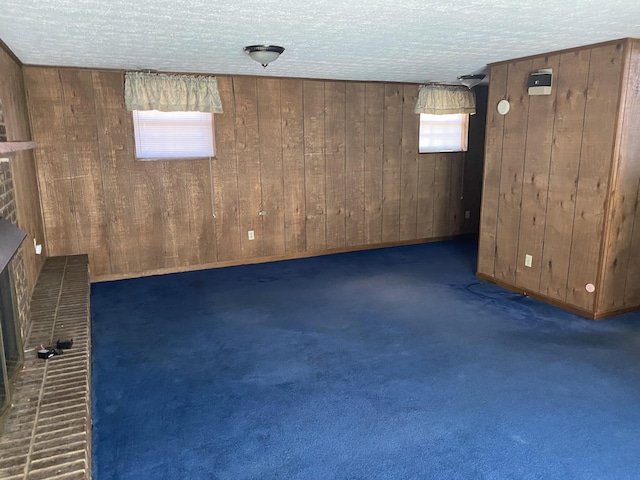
x=8, y=212
x=14, y=320
x=11, y=354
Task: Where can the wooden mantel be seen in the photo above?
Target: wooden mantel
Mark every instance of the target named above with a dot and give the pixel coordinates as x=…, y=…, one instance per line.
x=9, y=147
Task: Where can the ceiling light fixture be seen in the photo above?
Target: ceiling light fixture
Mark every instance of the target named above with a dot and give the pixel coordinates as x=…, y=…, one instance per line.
x=264, y=54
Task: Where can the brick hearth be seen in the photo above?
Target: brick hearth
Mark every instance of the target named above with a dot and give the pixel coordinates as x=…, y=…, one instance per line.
x=47, y=431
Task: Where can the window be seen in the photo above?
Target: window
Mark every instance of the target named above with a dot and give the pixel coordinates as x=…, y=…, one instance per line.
x=173, y=134
x=443, y=133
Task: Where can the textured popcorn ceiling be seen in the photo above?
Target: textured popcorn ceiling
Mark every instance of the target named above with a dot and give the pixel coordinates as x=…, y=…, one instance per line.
x=408, y=40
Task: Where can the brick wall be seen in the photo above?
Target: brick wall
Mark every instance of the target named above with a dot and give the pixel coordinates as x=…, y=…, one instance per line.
x=8, y=212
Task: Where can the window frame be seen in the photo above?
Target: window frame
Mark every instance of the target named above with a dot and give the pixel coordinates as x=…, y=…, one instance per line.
x=172, y=157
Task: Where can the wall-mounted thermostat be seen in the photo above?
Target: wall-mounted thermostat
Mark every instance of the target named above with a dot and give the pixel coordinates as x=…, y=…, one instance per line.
x=540, y=82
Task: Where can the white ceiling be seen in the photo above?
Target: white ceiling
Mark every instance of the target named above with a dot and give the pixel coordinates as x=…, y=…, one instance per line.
x=408, y=40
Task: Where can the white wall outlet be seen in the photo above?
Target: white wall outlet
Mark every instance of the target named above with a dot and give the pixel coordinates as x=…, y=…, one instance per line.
x=467, y=214
x=251, y=235
x=528, y=260
x=37, y=246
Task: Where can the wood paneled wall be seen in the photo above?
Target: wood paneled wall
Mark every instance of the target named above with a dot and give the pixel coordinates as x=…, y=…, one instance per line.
x=553, y=186
x=23, y=168
x=333, y=164
x=620, y=277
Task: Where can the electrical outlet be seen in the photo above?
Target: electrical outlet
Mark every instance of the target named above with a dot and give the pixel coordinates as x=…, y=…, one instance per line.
x=251, y=235
x=37, y=246
x=467, y=214
x=528, y=260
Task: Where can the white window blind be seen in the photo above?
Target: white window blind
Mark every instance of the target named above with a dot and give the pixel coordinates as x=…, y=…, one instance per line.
x=163, y=135
x=443, y=133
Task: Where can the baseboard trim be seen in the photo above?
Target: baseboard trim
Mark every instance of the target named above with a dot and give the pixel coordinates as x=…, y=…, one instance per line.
x=543, y=298
x=273, y=258
x=616, y=311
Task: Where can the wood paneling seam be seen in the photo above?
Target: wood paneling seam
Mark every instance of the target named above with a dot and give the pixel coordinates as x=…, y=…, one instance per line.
x=495, y=245
x=304, y=178
x=95, y=117
x=236, y=158
x=524, y=163
x=575, y=204
x=546, y=207
x=73, y=211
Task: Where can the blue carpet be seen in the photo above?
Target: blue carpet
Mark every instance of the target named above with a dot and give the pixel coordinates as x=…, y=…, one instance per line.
x=383, y=364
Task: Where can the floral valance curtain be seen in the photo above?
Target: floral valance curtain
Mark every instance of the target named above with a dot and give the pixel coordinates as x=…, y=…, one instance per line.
x=171, y=93
x=438, y=99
